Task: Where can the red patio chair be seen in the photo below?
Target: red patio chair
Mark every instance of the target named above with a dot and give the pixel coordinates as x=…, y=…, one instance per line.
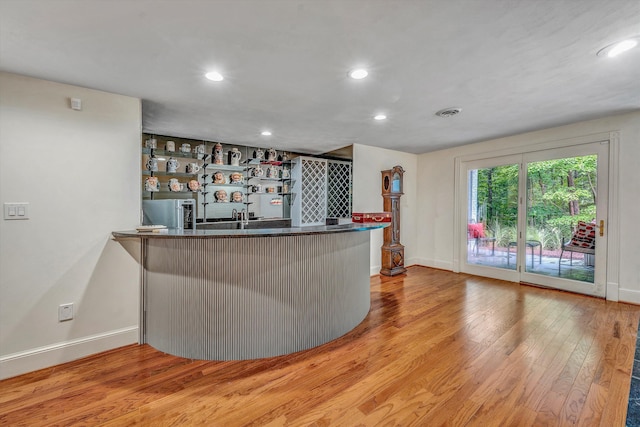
x=583, y=241
x=477, y=235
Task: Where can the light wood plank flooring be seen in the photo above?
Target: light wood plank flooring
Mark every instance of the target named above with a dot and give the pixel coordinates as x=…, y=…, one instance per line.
x=436, y=349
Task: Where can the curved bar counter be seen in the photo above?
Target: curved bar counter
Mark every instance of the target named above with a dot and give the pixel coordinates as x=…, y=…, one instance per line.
x=246, y=294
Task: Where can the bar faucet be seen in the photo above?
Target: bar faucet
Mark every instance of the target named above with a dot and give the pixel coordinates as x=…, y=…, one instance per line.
x=243, y=218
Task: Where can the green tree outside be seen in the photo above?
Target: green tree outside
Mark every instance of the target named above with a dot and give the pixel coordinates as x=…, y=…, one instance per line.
x=560, y=193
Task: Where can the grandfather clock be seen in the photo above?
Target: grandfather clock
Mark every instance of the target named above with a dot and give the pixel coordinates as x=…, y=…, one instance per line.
x=392, y=250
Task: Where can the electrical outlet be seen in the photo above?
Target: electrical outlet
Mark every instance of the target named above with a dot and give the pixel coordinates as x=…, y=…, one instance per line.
x=65, y=312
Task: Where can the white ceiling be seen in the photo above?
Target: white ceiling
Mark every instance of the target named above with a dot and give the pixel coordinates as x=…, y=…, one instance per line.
x=511, y=65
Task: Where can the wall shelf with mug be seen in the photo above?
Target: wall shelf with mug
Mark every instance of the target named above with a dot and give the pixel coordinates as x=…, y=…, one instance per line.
x=169, y=174
x=164, y=153
x=199, y=160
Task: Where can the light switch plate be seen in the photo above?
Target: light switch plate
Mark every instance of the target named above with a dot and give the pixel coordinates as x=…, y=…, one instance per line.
x=16, y=210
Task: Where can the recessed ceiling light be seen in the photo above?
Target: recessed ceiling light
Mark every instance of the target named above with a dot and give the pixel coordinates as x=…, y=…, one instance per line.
x=358, y=74
x=265, y=133
x=215, y=76
x=448, y=112
x=617, y=48
x=380, y=117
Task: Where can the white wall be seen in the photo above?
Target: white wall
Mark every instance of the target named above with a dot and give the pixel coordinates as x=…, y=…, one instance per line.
x=436, y=194
x=80, y=173
x=368, y=162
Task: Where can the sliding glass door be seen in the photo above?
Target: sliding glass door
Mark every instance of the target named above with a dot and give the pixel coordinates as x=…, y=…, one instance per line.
x=564, y=218
x=491, y=217
x=538, y=218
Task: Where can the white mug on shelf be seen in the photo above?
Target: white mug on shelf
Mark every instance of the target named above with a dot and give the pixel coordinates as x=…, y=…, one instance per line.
x=170, y=146
x=152, y=164
x=185, y=148
x=193, y=168
x=151, y=143
x=234, y=157
x=172, y=165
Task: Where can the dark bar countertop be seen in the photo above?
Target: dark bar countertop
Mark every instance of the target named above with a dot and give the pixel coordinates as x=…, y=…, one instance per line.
x=248, y=232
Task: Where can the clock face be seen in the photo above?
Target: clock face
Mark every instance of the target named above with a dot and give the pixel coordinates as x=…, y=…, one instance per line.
x=396, y=183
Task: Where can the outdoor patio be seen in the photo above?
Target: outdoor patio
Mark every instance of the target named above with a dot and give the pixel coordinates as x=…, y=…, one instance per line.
x=546, y=264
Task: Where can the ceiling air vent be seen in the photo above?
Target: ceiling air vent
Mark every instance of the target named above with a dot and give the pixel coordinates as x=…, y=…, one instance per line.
x=448, y=112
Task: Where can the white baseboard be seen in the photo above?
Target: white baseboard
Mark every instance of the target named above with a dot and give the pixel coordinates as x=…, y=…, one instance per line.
x=412, y=261
x=628, y=295
x=439, y=264
x=442, y=265
x=375, y=270
x=55, y=354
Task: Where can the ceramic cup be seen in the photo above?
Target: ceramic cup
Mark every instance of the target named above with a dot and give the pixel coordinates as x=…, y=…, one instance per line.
x=200, y=149
x=185, y=148
x=175, y=185
x=234, y=156
x=218, y=178
x=170, y=146
x=236, y=197
x=151, y=143
x=193, y=168
x=151, y=184
x=221, y=196
x=235, y=178
x=152, y=164
x=194, y=185
x=218, y=155
x=172, y=165
x=273, y=172
x=257, y=171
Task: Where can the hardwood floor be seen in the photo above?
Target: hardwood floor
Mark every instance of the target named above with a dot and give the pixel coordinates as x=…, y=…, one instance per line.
x=437, y=348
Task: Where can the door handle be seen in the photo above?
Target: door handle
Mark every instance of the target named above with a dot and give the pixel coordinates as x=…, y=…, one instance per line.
x=601, y=227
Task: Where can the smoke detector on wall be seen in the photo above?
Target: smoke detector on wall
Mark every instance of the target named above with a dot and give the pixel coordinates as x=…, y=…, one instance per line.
x=449, y=112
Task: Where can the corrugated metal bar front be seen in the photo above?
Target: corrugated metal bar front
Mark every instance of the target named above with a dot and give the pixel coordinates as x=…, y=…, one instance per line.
x=246, y=298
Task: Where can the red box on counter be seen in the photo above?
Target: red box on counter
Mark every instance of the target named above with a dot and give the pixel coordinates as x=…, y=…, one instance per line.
x=371, y=217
